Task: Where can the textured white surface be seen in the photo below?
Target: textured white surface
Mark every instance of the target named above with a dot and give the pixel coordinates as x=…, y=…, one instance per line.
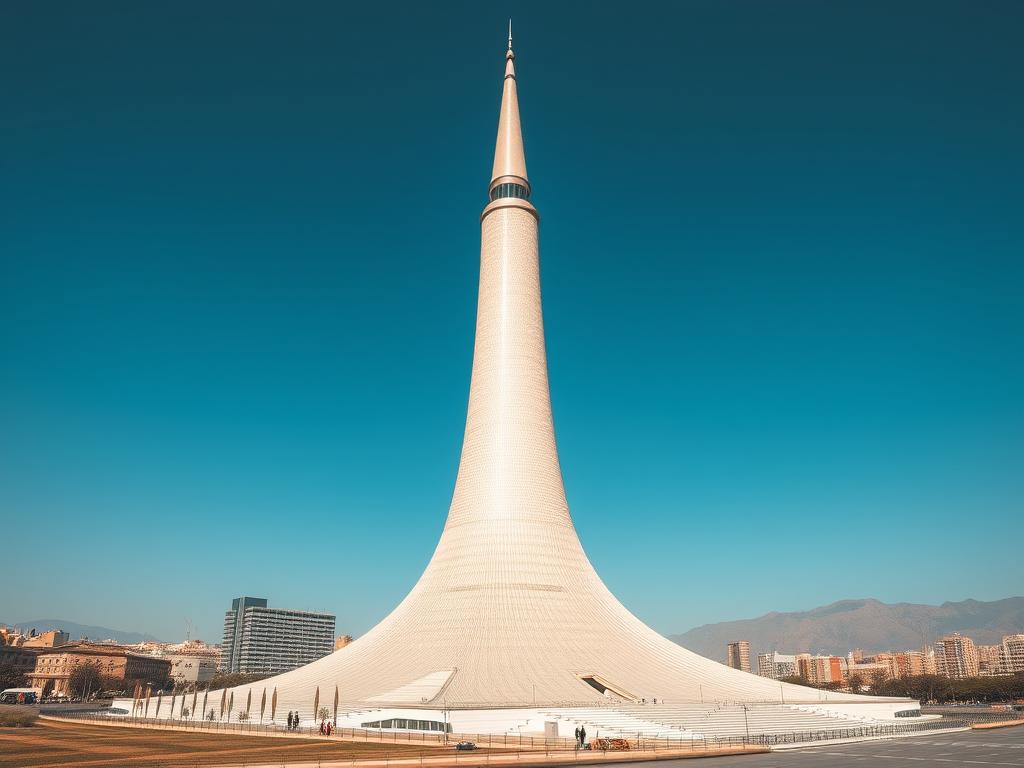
x=509, y=609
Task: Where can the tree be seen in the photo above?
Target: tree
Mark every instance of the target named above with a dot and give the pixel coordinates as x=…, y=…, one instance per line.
x=243, y=716
x=878, y=679
x=323, y=713
x=10, y=677
x=85, y=679
x=856, y=682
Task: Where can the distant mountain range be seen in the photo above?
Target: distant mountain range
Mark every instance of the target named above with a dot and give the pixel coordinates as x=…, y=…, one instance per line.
x=868, y=624
x=78, y=631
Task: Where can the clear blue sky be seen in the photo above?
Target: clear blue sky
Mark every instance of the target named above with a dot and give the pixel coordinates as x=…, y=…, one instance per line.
x=782, y=260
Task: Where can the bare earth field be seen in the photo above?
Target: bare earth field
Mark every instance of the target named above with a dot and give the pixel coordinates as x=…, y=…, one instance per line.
x=55, y=744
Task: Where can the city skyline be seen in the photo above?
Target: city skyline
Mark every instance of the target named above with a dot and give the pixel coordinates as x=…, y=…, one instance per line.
x=781, y=324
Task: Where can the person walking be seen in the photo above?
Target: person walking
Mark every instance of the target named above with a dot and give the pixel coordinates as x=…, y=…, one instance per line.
x=577, y=737
x=583, y=736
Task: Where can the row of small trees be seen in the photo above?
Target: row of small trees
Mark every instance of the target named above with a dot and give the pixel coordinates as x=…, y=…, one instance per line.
x=143, y=698
x=951, y=690
x=930, y=688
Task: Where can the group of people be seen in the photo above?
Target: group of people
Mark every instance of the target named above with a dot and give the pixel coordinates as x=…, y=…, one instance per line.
x=326, y=726
x=581, y=737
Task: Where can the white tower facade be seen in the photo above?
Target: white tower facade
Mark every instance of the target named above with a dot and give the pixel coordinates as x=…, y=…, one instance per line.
x=509, y=611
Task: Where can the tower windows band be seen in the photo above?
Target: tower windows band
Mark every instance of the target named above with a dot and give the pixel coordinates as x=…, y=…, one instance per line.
x=510, y=190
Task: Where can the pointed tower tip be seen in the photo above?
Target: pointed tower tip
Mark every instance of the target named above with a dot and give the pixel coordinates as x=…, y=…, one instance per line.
x=509, y=157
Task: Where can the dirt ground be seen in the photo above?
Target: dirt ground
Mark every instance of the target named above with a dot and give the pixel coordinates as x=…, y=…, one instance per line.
x=55, y=744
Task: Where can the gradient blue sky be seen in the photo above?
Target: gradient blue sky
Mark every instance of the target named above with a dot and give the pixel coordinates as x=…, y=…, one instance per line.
x=782, y=260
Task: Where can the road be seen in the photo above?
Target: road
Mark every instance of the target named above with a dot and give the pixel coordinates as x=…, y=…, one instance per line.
x=971, y=749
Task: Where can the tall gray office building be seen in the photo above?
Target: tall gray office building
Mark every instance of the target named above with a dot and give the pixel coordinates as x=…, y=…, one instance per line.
x=263, y=640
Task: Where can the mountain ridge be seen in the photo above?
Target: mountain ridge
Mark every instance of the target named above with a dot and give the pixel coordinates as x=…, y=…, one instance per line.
x=865, y=623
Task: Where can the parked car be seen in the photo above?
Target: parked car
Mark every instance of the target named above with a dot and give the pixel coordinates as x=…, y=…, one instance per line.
x=466, y=745
x=616, y=745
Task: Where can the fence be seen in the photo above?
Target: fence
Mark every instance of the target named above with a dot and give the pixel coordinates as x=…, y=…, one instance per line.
x=862, y=732
x=526, y=744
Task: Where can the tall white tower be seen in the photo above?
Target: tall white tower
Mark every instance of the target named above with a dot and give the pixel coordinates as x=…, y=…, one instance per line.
x=509, y=611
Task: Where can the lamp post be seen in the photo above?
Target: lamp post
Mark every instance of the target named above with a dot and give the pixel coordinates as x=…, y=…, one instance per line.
x=746, y=724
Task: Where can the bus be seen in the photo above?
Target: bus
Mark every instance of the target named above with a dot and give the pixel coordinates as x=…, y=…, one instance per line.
x=20, y=696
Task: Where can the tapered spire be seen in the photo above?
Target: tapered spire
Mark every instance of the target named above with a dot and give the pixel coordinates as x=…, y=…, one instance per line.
x=509, y=156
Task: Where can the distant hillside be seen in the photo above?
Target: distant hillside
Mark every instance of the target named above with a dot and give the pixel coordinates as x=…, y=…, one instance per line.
x=78, y=631
x=867, y=624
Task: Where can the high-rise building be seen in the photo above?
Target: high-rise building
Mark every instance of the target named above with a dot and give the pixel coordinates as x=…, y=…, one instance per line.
x=821, y=669
x=909, y=663
x=738, y=655
x=956, y=656
x=1012, y=654
x=263, y=640
x=777, y=665
x=990, y=661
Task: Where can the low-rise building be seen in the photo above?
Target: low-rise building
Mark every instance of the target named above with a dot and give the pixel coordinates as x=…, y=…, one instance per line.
x=53, y=669
x=53, y=638
x=191, y=669
x=20, y=659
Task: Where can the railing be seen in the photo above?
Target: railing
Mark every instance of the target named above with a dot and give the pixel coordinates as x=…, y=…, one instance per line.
x=859, y=732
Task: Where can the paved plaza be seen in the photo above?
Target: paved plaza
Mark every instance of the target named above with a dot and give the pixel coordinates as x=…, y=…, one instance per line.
x=999, y=747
